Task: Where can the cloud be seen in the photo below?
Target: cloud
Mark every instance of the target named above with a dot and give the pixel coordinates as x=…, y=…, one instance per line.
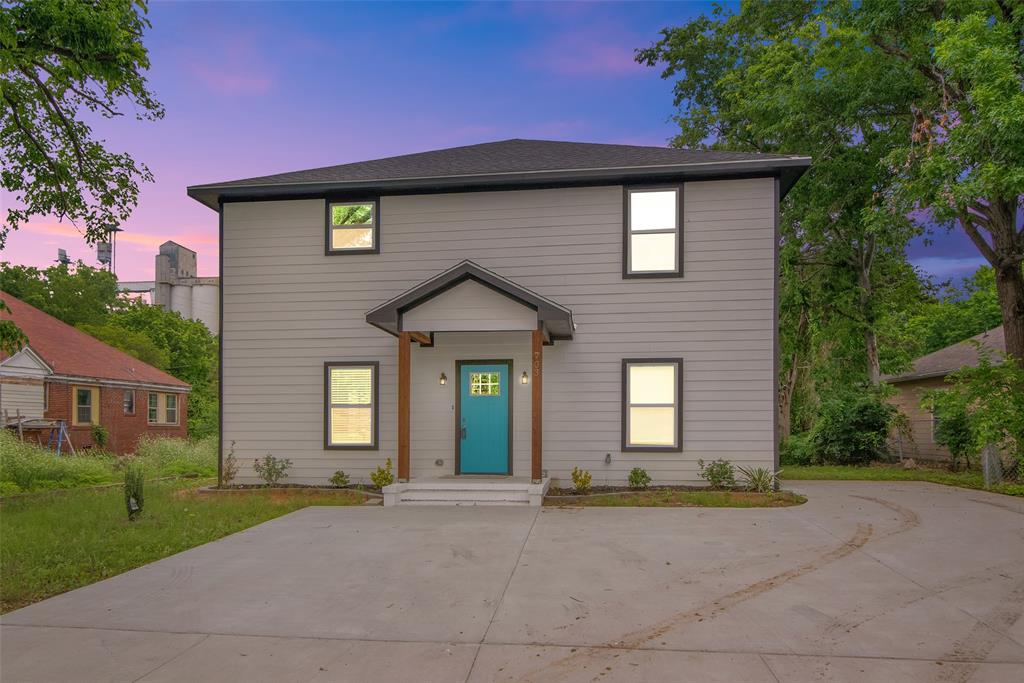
x=235, y=65
x=598, y=50
x=945, y=267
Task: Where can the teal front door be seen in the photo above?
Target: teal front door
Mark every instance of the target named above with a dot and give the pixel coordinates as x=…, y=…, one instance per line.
x=483, y=416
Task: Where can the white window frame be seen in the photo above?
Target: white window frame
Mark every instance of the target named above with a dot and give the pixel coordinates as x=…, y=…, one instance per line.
x=628, y=233
x=628, y=447
x=374, y=367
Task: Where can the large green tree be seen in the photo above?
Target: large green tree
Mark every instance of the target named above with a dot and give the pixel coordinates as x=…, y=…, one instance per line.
x=75, y=295
x=964, y=158
x=773, y=78
x=62, y=62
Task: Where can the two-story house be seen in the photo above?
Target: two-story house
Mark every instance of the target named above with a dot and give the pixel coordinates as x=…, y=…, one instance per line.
x=511, y=309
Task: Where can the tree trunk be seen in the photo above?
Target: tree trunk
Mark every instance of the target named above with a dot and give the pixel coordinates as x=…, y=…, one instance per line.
x=874, y=369
x=1010, y=287
x=788, y=387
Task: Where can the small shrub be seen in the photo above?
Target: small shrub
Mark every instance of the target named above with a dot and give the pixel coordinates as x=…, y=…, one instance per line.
x=759, y=479
x=719, y=473
x=271, y=470
x=953, y=430
x=100, y=436
x=581, y=480
x=9, y=488
x=638, y=478
x=852, y=429
x=339, y=479
x=229, y=468
x=134, y=477
x=796, y=451
x=382, y=476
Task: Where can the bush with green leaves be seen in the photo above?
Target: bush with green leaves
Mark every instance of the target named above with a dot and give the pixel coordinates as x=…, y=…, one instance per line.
x=339, y=479
x=581, y=480
x=134, y=481
x=382, y=476
x=991, y=399
x=852, y=428
x=271, y=470
x=759, y=479
x=229, y=467
x=952, y=429
x=100, y=436
x=797, y=450
x=638, y=478
x=719, y=473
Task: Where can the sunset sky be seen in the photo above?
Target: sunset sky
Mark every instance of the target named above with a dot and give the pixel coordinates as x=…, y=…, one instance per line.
x=255, y=88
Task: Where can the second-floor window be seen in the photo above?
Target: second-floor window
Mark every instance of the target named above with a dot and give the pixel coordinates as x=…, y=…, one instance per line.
x=652, y=245
x=353, y=227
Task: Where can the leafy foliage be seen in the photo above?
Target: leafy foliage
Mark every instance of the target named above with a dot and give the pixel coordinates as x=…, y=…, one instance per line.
x=759, y=479
x=12, y=339
x=581, y=480
x=720, y=474
x=228, y=468
x=27, y=467
x=100, y=435
x=166, y=457
x=340, y=479
x=136, y=344
x=63, y=59
x=953, y=430
x=382, y=476
x=797, y=450
x=270, y=469
x=991, y=397
x=638, y=478
x=79, y=295
x=852, y=428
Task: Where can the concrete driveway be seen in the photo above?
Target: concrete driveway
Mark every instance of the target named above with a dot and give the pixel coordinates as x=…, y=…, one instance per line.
x=866, y=582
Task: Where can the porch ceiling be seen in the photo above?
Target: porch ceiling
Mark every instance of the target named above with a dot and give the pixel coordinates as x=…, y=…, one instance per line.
x=554, y=319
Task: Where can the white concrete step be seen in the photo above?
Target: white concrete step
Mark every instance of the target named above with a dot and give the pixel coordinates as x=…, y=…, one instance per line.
x=472, y=491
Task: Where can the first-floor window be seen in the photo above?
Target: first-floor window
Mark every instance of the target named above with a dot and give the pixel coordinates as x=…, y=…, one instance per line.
x=651, y=414
x=162, y=408
x=350, y=394
x=128, y=401
x=87, y=405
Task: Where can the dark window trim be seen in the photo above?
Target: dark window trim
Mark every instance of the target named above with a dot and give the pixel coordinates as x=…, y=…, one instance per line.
x=125, y=394
x=375, y=412
x=330, y=201
x=678, y=448
x=458, y=410
x=678, y=272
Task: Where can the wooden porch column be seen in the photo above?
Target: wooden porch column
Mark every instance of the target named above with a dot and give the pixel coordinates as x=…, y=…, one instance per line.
x=537, y=413
x=404, y=399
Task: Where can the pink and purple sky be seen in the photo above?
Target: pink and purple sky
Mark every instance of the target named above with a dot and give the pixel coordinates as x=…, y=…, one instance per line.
x=256, y=88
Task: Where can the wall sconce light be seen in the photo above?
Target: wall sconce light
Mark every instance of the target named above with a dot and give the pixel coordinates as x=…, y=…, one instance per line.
x=525, y=379
x=443, y=379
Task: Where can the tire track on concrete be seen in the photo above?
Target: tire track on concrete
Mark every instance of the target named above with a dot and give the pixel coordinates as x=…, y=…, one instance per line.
x=983, y=637
x=559, y=669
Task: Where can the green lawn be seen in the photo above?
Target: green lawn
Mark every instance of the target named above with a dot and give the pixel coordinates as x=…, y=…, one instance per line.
x=670, y=498
x=970, y=480
x=56, y=541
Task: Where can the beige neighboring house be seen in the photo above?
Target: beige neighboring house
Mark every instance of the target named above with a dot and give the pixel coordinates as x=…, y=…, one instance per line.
x=930, y=372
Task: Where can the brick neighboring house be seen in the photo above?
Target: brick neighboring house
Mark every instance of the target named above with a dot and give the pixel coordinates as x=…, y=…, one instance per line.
x=65, y=374
x=930, y=372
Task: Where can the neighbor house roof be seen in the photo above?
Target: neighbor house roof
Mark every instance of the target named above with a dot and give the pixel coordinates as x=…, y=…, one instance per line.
x=71, y=353
x=508, y=163
x=944, y=361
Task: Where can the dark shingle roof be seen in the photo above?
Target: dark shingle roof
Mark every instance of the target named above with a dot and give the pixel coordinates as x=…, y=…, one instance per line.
x=507, y=161
x=944, y=361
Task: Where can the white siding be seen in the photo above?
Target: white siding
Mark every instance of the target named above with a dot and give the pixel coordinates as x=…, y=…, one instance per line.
x=288, y=308
x=24, y=398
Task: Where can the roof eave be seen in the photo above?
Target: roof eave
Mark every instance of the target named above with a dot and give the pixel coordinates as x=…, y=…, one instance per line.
x=789, y=171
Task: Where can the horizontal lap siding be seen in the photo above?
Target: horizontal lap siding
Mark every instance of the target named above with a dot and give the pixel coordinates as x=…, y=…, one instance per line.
x=288, y=308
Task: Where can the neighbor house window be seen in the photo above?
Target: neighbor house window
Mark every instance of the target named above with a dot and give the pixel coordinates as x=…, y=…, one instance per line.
x=350, y=402
x=651, y=235
x=651, y=412
x=352, y=227
x=128, y=401
x=46, y=396
x=87, y=406
x=162, y=409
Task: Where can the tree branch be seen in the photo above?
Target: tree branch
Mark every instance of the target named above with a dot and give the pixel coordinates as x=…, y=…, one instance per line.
x=40, y=148
x=51, y=104
x=972, y=231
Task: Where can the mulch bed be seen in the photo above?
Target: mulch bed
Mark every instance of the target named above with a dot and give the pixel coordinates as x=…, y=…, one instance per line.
x=556, y=492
